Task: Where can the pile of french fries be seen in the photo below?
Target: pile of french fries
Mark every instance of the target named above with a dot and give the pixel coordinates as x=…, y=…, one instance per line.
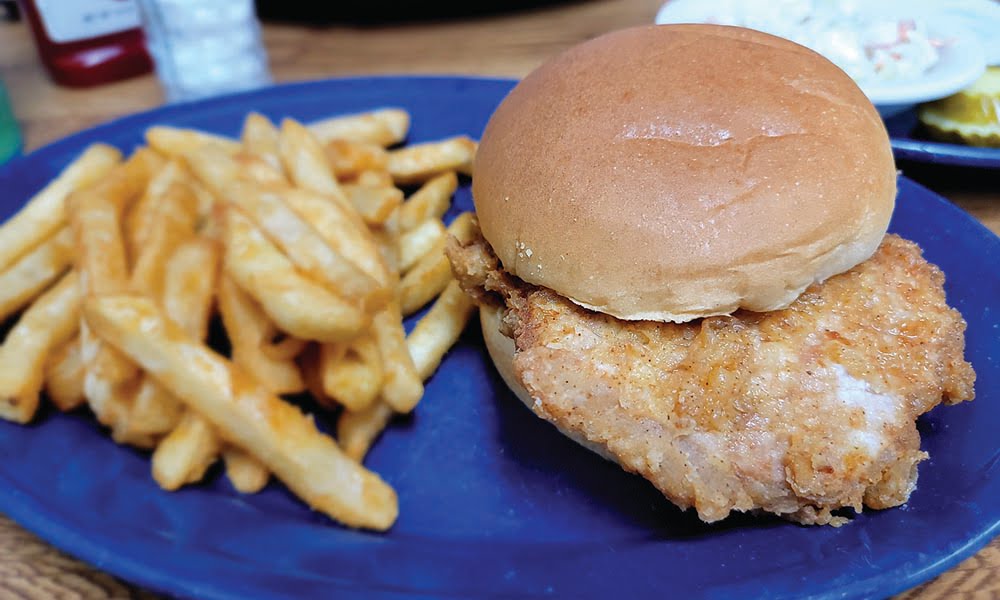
x=299, y=239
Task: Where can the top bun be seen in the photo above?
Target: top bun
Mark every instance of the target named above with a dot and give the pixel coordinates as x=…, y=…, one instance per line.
x=673, y=172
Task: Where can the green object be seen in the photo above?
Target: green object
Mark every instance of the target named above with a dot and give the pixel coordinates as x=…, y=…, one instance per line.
x=10, y=135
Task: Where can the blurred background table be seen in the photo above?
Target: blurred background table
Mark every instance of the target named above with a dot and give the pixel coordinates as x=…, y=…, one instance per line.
x=504, y=44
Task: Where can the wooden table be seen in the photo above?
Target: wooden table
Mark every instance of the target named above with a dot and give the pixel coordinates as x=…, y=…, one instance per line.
x=503, y=45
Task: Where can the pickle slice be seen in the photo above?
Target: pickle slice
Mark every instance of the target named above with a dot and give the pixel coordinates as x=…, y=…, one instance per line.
x=972, y=116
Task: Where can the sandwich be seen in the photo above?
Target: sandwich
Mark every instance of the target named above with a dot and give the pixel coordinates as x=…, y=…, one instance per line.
x=682, y=263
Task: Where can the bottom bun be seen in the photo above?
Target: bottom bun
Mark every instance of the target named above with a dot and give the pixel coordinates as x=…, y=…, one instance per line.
x=501, y=349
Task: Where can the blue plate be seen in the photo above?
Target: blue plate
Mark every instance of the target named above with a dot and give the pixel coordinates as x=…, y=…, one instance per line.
x=494, y=502
x=910, y=143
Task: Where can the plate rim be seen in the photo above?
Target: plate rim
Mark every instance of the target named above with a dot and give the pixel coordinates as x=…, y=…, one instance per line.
x=47, y=524
x=930, y=151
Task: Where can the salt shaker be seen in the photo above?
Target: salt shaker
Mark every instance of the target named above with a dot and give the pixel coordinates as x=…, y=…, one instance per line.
x=205, y=47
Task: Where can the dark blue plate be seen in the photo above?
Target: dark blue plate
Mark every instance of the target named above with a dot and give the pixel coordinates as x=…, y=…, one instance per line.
x=494, y=502
x=910, y=143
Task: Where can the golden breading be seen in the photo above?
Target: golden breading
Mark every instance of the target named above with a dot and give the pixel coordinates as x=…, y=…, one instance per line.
x=797, y=412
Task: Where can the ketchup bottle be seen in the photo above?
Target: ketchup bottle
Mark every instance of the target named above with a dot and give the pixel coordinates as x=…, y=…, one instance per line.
x=88, y=42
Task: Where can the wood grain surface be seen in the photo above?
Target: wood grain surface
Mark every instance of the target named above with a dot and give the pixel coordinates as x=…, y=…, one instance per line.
x=508, y=44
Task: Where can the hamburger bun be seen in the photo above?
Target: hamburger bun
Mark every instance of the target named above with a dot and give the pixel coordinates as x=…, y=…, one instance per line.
x=681, y=171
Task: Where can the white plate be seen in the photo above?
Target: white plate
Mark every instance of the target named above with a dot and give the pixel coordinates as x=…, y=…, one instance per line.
x=961, y=62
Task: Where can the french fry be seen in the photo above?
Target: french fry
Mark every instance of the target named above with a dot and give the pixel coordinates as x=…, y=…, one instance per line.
x=260, y=137
x=432, y=272
x=187, y=289
x=45, y=213
x=288, y=348
x=189, y=284
x=375, y=204
x=295, y=303
x=175, y=142
x=245, y=413
x=64, y=376
x=186, y=453
x=439, y=329
x=152, y=413
x=192, y=444
x=342, y=229
x=385, y=127
x=402, y=387
x=33, y=272
x=248, y=328
x=419, y=162
x=140, y=218
x=425, y=280
x=52, y=320
x=374, y=178
x=418, y=242
x=352, y=373
x=247, y=474
x=95, y=216
x=312, y=377
x=431, y=201
x=174, y=218
x=357, y=431
x=258, y=169
x=305, y=160
x=349, y=159
x=304, y=246
x=387, y=241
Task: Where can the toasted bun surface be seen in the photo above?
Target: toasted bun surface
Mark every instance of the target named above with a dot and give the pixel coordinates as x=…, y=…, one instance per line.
x=680, y=171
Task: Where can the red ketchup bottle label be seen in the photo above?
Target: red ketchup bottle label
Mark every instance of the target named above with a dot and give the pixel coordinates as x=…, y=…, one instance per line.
x=88, y=42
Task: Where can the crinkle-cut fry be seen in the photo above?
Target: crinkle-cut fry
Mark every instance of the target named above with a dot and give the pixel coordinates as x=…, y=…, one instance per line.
x=175, y=218
x=425, y=280
x=439, y=329
x=174, y=141
x=342, y=229
x=352, y=372
x=431, y=201
x=419, y=162
x=305, y=160
x=385, y=127
x=294, y=302
x=260, y=137
x=402, y=387
x=246, y=414
x=349, y=159
x=357, y=431
x=304, y=246
x=418, y=242
x=186, y=453
x=45, y=212
x=248, y=329
x=33, y=272
x=247, y=474
x=64, y=376
x=375, y=204
x=141, y=216
x=52, y=320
